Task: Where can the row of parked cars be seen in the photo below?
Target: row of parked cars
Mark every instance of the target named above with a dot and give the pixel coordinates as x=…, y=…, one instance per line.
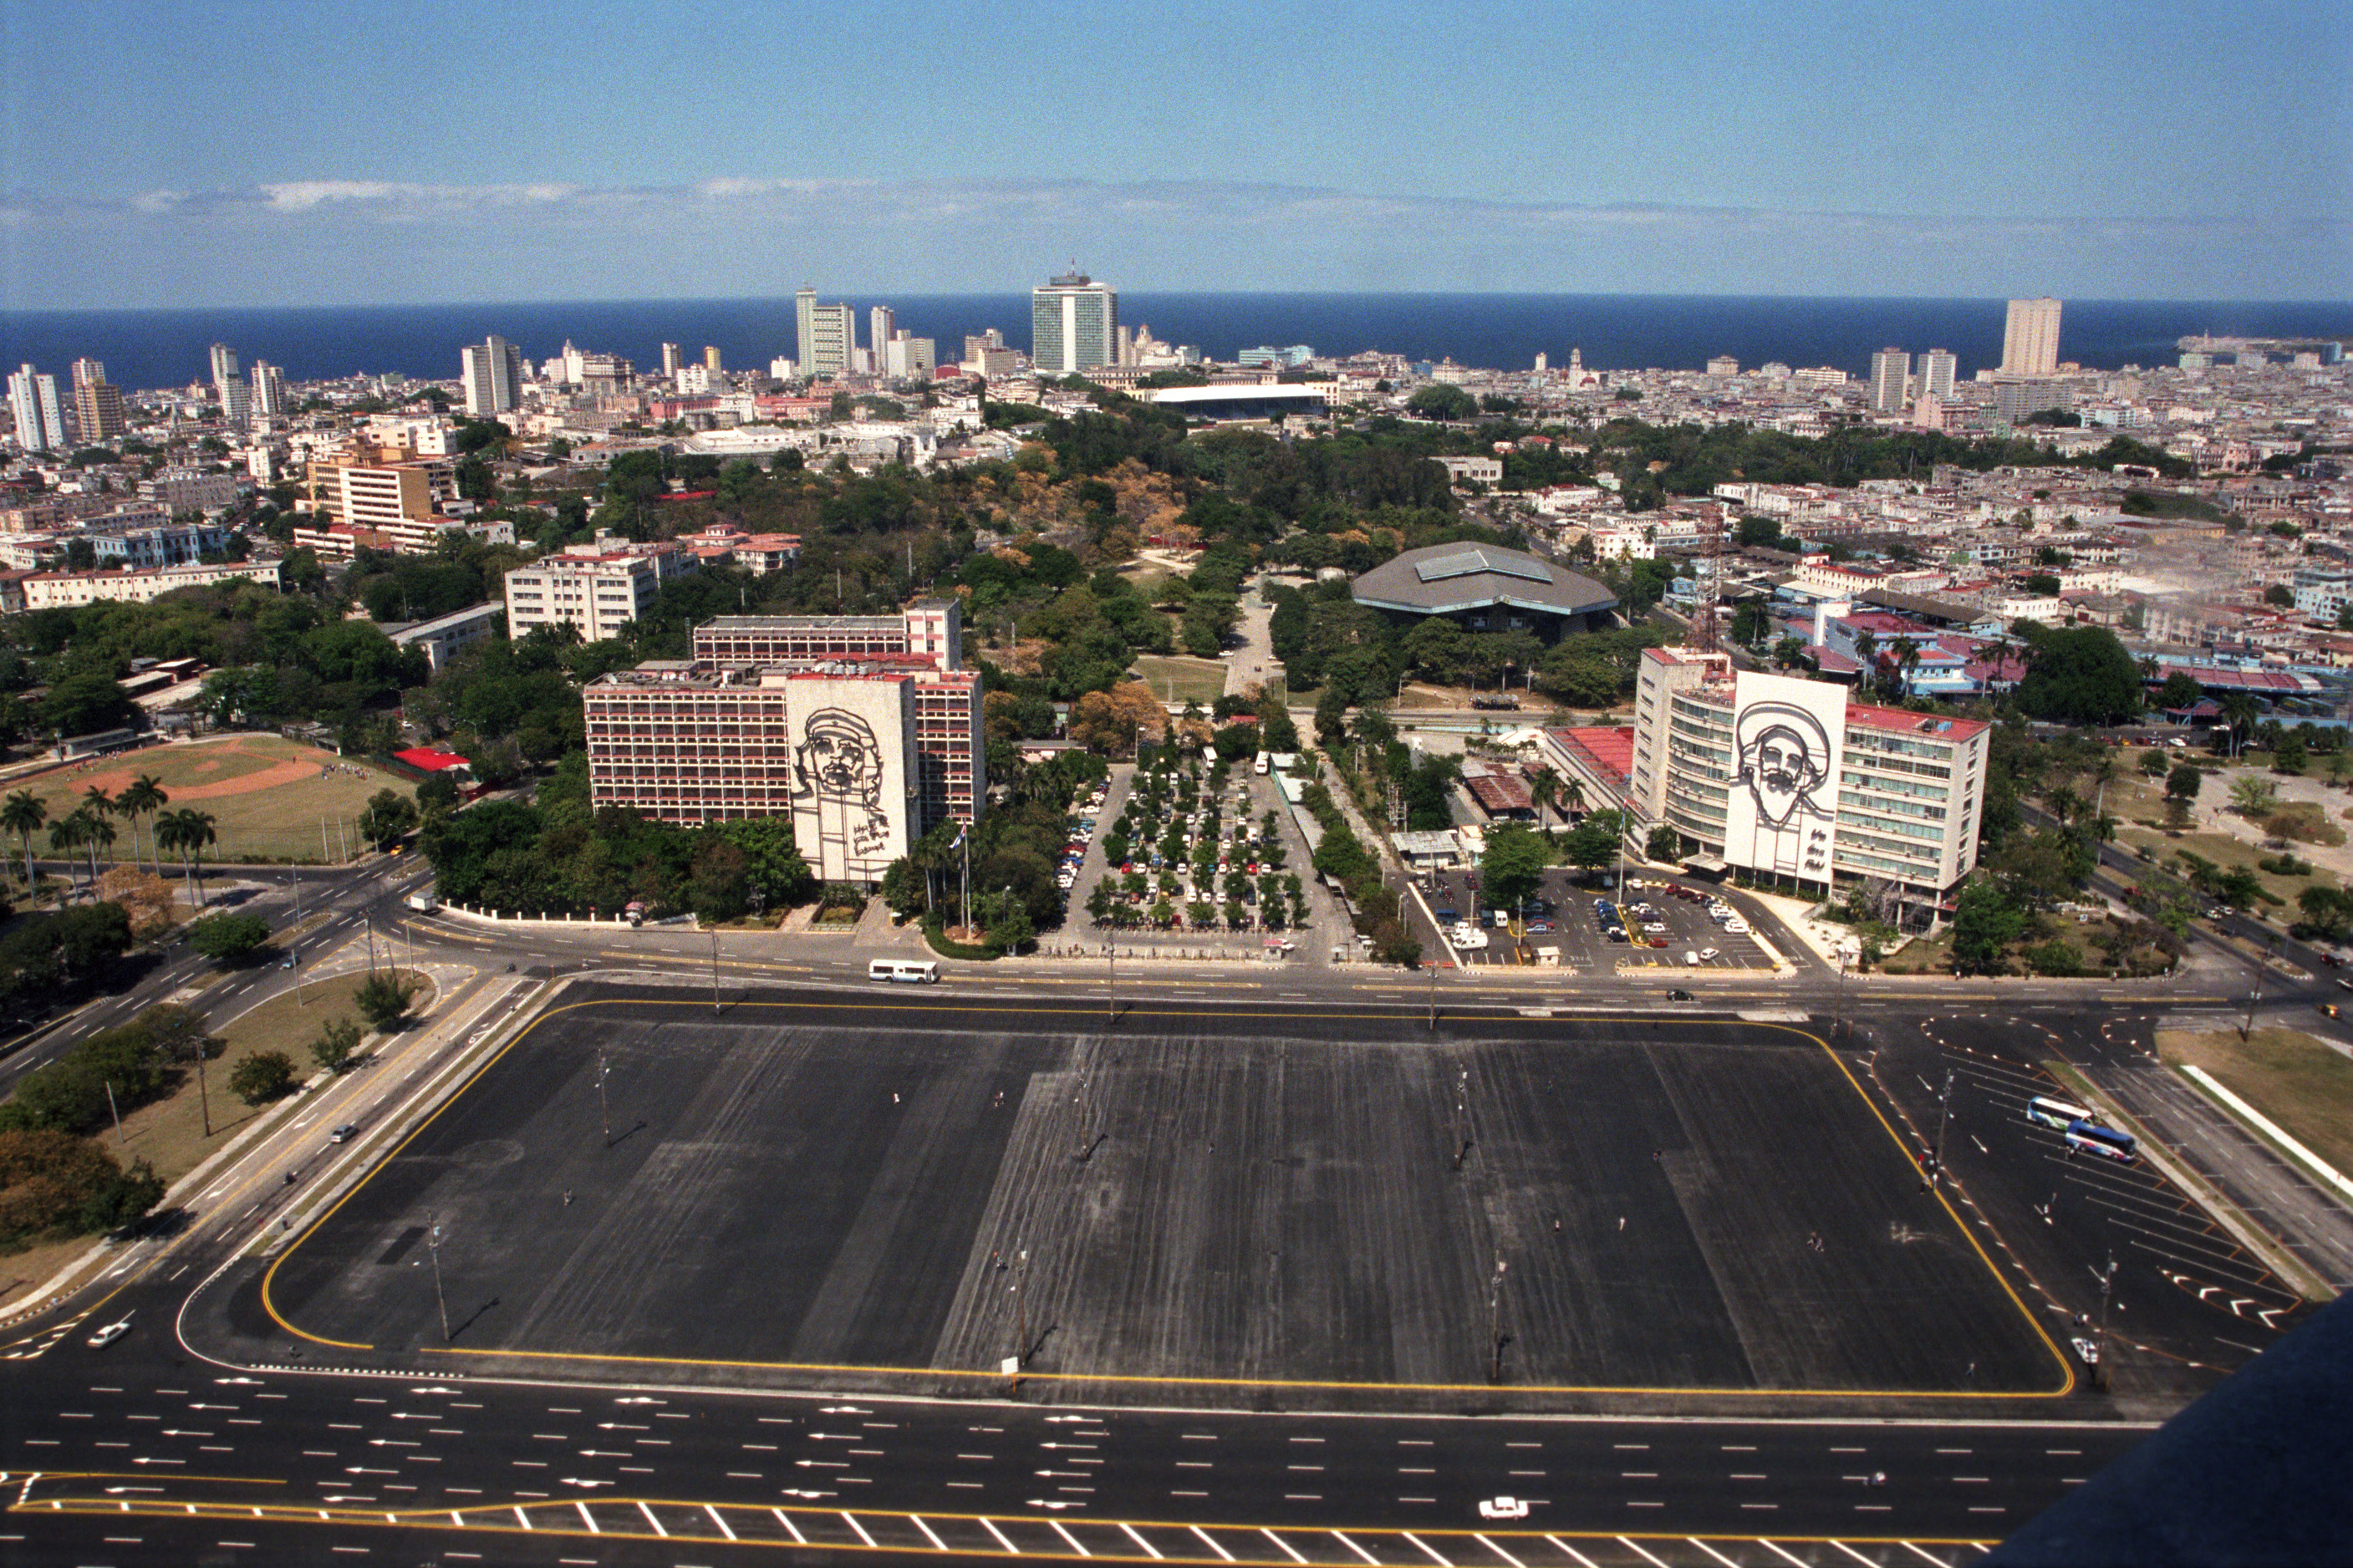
x=1083, y=832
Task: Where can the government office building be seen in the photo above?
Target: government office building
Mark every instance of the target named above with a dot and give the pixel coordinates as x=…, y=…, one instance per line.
x=865, y=729
x=1794, y=782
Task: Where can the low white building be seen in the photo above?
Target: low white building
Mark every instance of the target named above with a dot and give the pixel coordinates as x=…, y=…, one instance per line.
x=596, y=589
x=444, y=636
x=50, y=590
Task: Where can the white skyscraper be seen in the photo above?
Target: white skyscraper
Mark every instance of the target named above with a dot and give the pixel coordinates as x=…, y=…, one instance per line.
x=882, y=323
x=33, y=399
x=2030, y=341
x=267, y=386
x=493, y=372
x=1935, y=375
x=828, y=335
x=1073, y=325
x=1890, y=369
x=236, y=403
x=671, y=360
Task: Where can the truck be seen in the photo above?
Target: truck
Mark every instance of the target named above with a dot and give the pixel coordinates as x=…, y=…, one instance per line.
x=422, y=901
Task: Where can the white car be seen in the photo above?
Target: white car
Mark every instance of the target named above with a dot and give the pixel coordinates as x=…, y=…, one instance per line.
x=1707, y=954
x=1503, y=1507
x=108, y=1334
x=1737, y=928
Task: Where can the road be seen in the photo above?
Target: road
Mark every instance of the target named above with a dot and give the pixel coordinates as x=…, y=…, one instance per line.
x=514, y=1468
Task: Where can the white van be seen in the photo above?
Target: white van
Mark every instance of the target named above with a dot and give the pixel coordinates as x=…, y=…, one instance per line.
x=1690, y=958
x=913, y=971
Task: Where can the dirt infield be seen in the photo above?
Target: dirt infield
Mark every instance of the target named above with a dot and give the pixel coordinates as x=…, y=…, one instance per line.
x=247, y=784
x=269, y=798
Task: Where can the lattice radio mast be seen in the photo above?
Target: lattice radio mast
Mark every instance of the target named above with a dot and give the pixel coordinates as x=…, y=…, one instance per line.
x=1706, y=591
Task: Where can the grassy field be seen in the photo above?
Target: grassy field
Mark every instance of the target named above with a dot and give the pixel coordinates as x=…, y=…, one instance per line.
x=169, y=1134
x=2290, y=1077
x=266, y=796
x=1180, y=679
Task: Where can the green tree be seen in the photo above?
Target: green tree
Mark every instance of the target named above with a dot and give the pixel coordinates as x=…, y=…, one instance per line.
x=143, y=797
x=2253, y=797
x=2078, y=674
x=1984, y=925
x=1442, y=401
x=2153, y=764
x=263, y=1077
x=227, y=937
x=1593, y=843
x=188, y=831
x=1665, y=843
x=389, y=814
x=1512, y=868
x=23, y=813
x=383, y=999
x=2280, y=595
x=338, y=1039
x=1392, y=944
x=2181, y=690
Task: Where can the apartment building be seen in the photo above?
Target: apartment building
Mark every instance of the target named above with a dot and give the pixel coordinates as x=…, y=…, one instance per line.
x=597, y=589
x=445, y=636
x=50, y=590
x=372, y=487
x=861, y=726
x=1794, y=780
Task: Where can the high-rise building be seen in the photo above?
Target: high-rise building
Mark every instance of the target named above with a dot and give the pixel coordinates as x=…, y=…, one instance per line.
x=905, y=356
x=828, y=335
x=1073, y=325
x=2030, y=340
x=1890, y=369
x=267, y=386
x=98, y=404
x=236, y=404
x=710, y=359
x=672, y=357
x=493, y=372
x=33, y=399
x=1724, y=365
x=1935, y=375
x=882, y=326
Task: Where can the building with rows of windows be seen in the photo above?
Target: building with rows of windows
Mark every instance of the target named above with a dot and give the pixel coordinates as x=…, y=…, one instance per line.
x=1793, y=780
x=865, y=729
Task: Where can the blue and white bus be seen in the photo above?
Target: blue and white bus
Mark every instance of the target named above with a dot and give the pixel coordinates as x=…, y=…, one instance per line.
x=2090, y=1138
x=2056, y=1113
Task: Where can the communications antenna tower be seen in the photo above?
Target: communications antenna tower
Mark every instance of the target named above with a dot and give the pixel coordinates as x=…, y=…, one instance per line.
x=1707, y=591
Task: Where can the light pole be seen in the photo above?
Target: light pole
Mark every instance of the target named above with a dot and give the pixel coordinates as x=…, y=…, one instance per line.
x=714, y=972
x=1111, y=999
x=1838, y=1008
x=2255, y=997
x=1495, y=1324
x=433, y=1245
x=2100, y=1339
x=604, y=1105
x=1021, y=1308
x=368, y=921
x=1943, y=1112
x=299, y=1000
x=1433, y=997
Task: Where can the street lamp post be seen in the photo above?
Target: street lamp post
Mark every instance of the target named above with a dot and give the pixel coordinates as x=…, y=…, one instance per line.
x=2100, y=1339
x=1111, y=997
x=714, y=972
x=1495, y=1324
x=1021, y=1308
x=1943, y=1112
x=433, y=1245
x=2255, y=997
x=604, y=1105
x=1838, y=1008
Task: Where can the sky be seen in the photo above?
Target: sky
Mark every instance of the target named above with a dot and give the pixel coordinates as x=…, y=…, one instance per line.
x=348, y=152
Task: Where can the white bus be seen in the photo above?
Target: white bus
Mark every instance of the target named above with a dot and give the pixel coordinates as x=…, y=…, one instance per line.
x=2056, y=1113
x=1263, y=762
x=914, y=971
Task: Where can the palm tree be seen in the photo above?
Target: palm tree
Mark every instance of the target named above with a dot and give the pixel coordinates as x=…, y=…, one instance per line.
x=65, y=836
x=187, y=830
x=97, y=833
x=2239, y=713
x=1907, y=659
x=143, y=797
x=100, y=806
x=22, y=814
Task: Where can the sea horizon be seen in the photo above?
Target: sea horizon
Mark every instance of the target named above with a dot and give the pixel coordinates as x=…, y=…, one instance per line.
x=162, y=347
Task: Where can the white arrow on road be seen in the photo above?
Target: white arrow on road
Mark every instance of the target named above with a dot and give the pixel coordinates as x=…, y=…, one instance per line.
x=364, y=1470
x=577, y=1481
x=604, y=1454
x=112, y=1492
x=391, y=1443
x=182, y=1432
x=1054, y=1503
x=843, y=1410
x=1069, y=1444
x=821, y=1464
x=147, y=1461
x=620, y=1426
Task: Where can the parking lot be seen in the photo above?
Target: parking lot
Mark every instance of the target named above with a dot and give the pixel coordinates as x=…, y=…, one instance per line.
x=1253, y=885
x=1564, y=916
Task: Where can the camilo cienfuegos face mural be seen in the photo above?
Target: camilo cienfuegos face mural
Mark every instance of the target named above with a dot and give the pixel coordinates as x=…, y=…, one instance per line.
x=1776, y=817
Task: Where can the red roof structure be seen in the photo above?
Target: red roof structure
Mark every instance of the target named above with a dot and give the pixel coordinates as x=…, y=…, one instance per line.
x=425, y=759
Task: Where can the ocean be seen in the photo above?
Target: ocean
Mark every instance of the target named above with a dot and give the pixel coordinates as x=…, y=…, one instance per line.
x=169, y=348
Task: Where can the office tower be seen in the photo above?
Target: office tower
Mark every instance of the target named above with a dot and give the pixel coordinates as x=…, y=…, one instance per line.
x=1073, y=325
x=2030, y=341
x=1935, y=375
x=882, y=326
x=40, y=423
x=710, y=359
x=493, y=372
x=1890, y=368
x=267, y=386
x=672, y=358
x=907, y=355
x=1724, y=365
x=236, y=405
x=829, y=333
x=98, y=404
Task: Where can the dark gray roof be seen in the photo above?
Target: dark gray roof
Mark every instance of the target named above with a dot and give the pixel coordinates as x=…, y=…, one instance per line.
x=1444, y=579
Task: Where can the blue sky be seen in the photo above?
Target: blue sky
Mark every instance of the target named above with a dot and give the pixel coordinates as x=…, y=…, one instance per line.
x=251, y=153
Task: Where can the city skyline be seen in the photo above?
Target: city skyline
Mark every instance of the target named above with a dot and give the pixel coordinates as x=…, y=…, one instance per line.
x=1890, y=163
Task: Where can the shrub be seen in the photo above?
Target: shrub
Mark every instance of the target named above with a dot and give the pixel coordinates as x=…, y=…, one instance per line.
x=227, y=938
x=336, y=1042
x=2054, y=958
x=263, y=1077
x=53, y=1181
